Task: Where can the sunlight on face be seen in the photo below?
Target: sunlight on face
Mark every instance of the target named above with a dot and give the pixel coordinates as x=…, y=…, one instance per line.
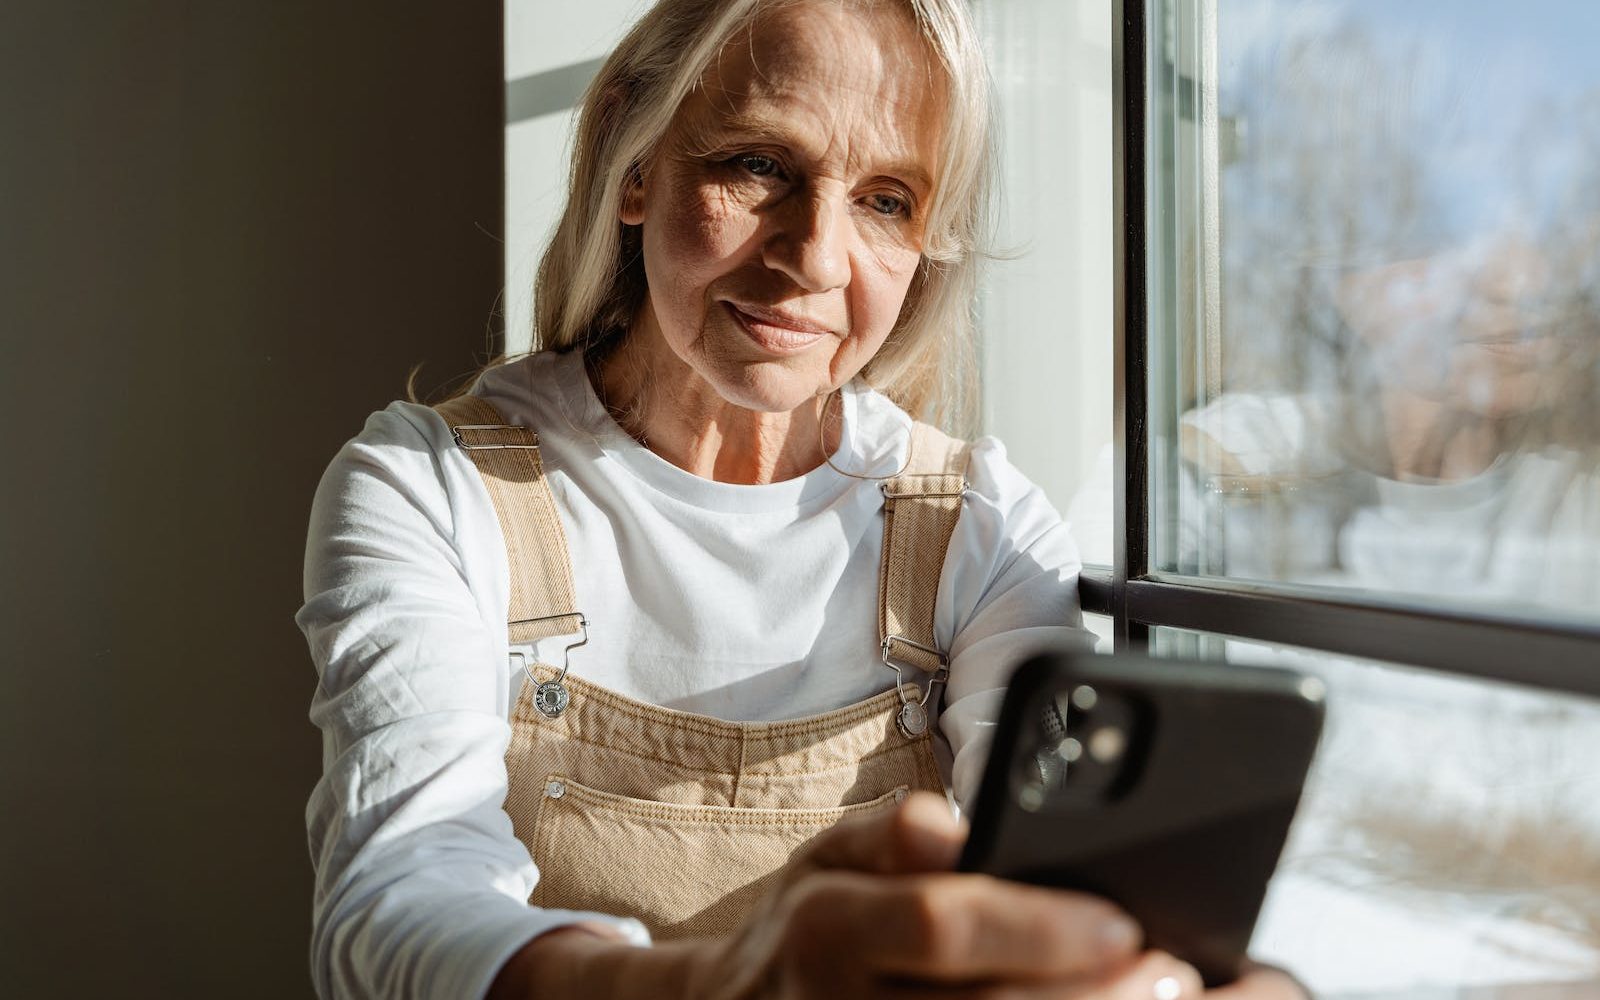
x=783, y=218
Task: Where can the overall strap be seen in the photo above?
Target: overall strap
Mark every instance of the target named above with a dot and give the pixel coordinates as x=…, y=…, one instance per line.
x=507, y=456
x=920, y=508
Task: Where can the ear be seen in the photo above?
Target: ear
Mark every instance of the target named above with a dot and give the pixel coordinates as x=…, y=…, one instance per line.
x=631, y=210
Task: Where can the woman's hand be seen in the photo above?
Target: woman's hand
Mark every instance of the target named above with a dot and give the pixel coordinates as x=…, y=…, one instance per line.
x=873, y=910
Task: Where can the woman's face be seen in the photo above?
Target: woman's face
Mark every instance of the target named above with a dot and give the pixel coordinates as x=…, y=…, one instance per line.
x=1466, y=328
x=783, y=218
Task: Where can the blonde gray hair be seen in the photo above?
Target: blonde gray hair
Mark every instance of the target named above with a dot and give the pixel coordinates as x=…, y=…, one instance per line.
x=591, y=278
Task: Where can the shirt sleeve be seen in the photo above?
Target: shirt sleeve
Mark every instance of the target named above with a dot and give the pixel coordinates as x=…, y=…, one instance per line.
x=1009, y=589
x=420, y=884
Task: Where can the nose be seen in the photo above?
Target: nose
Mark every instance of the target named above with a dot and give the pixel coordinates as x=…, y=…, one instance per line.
x=811, y=243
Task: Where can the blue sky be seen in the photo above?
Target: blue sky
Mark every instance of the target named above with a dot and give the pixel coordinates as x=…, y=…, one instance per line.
x=1562, y=33
x=1451, y=80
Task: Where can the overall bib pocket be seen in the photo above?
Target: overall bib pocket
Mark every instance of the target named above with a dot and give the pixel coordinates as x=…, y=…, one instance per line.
x=685, y=871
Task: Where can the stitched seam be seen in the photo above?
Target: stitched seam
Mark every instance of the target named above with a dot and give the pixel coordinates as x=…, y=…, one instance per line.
x=722, y=815
x=733, y=800
x=539, y=733
x=838, y=719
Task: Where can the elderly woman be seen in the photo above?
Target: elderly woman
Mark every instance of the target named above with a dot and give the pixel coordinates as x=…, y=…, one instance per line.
x=610, y=646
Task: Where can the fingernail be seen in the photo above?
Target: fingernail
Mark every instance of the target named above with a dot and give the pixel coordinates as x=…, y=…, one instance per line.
x=1168, y=988
x=1119, y=935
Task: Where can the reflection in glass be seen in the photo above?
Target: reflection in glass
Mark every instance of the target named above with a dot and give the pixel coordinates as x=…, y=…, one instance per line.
x=1448, y=839
x=1390, y=379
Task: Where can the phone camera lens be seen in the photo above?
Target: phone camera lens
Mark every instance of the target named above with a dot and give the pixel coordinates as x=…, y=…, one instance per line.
x=1107, y=743
x=1030, y=797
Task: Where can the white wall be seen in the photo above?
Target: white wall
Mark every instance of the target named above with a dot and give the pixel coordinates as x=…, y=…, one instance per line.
x=542, y=36
x=229, y=230
x=1047, y=348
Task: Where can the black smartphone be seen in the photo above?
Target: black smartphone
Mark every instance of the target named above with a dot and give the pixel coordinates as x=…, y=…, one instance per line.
x=1166, y=786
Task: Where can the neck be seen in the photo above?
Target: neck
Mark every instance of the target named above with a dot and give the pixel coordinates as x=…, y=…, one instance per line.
x=665, y=405
x=1428, y=440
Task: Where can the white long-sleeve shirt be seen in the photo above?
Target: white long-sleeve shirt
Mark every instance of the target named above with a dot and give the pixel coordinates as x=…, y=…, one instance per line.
x=740, y=602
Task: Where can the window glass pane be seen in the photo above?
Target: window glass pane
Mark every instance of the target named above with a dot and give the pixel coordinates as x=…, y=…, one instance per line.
x=1375, y=256
x=1448, y=837
x=1045, y=307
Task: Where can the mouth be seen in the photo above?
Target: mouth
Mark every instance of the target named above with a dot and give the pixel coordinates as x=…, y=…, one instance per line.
x=775, y=331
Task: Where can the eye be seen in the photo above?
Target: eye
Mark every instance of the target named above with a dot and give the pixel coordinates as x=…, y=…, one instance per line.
x=888, y=204
x=761, y=166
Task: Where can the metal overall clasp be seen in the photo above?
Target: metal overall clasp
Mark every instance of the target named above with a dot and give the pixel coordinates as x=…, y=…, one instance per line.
x=550, y=697
x=912, y=719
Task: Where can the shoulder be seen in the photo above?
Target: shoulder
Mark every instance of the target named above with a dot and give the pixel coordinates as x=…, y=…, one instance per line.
x=407, y=447
x=998, y=494
x=401, y=445
x=389, y=477
x=396, y=488
x=1012, y=564
x=1000, y=491
x=1259, y=434
x=1563, y=482
x=547, y=391
x=401, y=511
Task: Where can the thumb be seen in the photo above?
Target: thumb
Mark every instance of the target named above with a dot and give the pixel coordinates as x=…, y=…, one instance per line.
x=921, y=834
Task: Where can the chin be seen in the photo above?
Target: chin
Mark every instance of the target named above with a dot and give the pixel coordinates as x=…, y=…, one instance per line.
x=766, y=387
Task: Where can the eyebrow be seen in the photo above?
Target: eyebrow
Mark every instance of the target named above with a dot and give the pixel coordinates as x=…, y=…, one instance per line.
x=744, y=123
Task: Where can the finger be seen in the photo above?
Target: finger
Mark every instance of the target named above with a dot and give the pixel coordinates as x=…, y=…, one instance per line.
x=960, y=927
x=1262, y=982
x=919, y=835
x=913, y=990
x=1155, y=976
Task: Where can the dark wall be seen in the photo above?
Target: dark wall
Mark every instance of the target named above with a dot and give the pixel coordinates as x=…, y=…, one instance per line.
x=227, y=230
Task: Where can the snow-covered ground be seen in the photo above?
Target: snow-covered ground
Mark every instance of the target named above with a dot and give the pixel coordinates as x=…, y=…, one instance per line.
x=1448, y=838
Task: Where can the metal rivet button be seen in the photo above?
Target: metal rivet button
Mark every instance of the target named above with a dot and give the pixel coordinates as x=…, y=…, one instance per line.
x=912, y=720
x=550, y=699
x=555, y=790
x=900, y=794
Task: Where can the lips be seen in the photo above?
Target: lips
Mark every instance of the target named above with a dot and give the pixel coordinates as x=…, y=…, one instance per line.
x=775, y=330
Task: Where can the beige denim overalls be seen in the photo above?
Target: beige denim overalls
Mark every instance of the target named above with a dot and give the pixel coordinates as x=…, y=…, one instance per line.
x=681, y=820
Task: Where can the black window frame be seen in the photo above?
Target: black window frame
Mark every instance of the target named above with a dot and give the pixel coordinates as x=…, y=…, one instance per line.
x=1542, y=652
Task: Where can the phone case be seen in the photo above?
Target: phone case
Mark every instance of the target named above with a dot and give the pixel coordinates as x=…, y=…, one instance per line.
x=1165, y=786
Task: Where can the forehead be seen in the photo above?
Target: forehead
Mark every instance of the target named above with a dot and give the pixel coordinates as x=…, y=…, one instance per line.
x=853, y=78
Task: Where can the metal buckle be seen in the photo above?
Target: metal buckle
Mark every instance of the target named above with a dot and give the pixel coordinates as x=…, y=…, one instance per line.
x=887, y=645
x=455, y=432
x=912, y=719
x=550, y=697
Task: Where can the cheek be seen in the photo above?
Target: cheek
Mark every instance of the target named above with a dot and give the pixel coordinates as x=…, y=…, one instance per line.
x=879, y=291
x=696, y=236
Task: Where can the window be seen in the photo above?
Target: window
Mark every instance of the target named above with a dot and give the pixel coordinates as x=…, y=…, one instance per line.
x=1358, y=432
x=1377, y=236
x=1448, y=836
